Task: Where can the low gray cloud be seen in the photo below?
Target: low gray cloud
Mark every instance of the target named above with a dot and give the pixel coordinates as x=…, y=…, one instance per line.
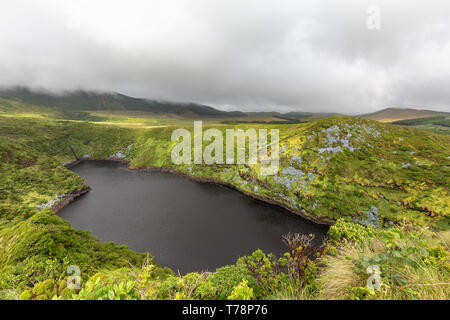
x=248, y=55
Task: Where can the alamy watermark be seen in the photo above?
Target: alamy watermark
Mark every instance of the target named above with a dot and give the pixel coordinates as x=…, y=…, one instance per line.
x=373, y=21
x=259, y=151
x=74, y=278
x=374, y=281
x=73, y=21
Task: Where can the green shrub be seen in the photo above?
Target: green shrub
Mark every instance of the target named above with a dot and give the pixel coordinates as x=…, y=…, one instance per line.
x=228, y=277
x=100, y=287
x=205, y=290
x=266, y=270
x=26, y=295
x=362, y=293
x=349, y=231
x=438, y=257
x=169, y=288
x=241, y=292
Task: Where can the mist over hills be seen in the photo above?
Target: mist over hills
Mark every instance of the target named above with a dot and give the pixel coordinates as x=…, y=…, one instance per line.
x=80, y=100
x=85, y=100
x=361, y=175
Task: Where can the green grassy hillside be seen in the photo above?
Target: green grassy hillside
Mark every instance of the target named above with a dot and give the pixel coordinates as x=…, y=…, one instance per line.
x=381, y=183
x=90, y=100
x=35, y=244
x=439, y=124
x=332, y=168
x=338, y=167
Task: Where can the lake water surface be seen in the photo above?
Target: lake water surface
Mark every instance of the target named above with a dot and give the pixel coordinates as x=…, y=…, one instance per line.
x=186, y=225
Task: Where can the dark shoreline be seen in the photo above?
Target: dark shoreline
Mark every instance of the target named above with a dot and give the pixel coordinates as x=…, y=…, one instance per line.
x=69, y=198
x=72, y=196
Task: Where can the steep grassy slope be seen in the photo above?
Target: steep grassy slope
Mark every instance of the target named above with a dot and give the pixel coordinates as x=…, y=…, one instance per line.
x=364, y=171
x=338, y=167
x=12, y=108
x=90, y=100
x=35, y=244
x=54, y=138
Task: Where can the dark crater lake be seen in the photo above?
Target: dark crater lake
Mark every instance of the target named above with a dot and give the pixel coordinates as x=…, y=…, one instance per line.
x=185, y=225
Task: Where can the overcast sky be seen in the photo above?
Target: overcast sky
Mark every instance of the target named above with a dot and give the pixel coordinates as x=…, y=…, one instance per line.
x=251, y=55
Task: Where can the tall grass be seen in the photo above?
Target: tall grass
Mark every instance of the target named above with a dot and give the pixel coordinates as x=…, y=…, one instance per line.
x=424, y=277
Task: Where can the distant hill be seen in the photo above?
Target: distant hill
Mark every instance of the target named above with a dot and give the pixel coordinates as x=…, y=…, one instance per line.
x=297, y=115
x=436, y=121
x=80, y=100
x=396, y=114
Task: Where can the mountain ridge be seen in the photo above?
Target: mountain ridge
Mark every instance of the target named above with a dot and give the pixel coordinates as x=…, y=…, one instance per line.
x=83, y=100
x=91, y=100
x=395, y=114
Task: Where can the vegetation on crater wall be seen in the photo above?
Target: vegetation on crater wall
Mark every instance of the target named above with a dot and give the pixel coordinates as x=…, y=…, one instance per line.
x=350, y=170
